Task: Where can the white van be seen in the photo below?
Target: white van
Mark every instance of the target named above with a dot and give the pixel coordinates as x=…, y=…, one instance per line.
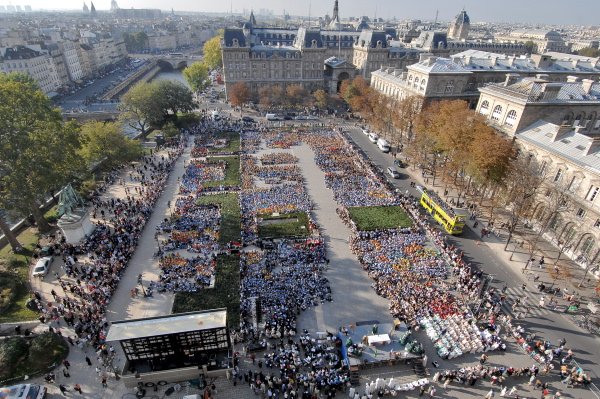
x=272, y=117
x=373, y=137
x=23, y=391
x=383, y=145
x=215, y=113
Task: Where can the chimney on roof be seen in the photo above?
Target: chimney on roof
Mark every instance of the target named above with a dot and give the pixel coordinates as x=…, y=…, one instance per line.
x=425, y=56
x=586, y=85
x=572, y=79
x=561, y=131
x=592, y=146
x=511, y=78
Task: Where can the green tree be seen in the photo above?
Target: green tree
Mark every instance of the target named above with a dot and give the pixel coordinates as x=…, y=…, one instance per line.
x=37, y=150
x=170, y=131
x=321, y=98
x=589, y=52
x=197, y=76
x=530, y=46
x=141, y=41
x=141, y=107
x=10, y=236
x=105, y=142
x=212, y=52
x=173, y=97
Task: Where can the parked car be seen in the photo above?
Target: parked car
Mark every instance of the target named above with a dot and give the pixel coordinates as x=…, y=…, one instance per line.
x=248, y=119
x=42, y=266
x=47, y=250
x=399, y=163
x=393, y=172
x=373, y=137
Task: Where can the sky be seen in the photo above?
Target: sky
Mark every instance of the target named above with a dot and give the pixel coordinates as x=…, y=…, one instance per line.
x=579, y=12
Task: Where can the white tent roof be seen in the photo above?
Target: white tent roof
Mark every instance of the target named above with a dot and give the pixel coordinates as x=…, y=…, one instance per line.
x=173, y=324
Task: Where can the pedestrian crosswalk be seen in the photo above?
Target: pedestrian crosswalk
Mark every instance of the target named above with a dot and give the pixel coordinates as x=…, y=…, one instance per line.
x=528, y=302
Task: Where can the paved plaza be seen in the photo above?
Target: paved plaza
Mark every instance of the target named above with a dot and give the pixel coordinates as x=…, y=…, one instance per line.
x=354, y=301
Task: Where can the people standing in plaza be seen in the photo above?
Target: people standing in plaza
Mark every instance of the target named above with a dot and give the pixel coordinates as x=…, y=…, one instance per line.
x=77, y=388
x=63, y=389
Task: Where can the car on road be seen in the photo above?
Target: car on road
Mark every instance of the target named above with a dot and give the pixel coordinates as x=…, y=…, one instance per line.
x=393, y=172
x=373, y=137
x=288, y=117
x=42, y=266
x=399, y=163
x=248, y=119
x=366, y=132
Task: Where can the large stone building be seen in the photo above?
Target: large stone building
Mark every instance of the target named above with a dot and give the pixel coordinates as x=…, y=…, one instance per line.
x=439, y=44
x=518, y=103
x=543, y=40
x=558, y=124
x=261, y=65
x=460, y=76
x=570, y=160
x=33, y=61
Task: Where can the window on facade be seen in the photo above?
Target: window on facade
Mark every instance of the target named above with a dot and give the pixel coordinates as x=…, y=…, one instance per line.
x=569, y=233
x=587, y=245
x=558, y=176
x=592, y=193
x=543, y=167
x=597, y=223
x=577, y=120
x=555, y=223
x=580, y=213
x=449, y=87
x=423, y=84
x=416, y=85
x=511, y=118
x=410, y=79
x=597, y=124
x=497, y=113
x=484, y=107
x=574, y=185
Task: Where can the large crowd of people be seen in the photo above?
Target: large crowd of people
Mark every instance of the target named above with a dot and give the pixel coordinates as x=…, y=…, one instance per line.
x=94, y=267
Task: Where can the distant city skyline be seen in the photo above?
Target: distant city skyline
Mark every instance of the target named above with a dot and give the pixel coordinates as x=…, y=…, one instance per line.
x=576, y=12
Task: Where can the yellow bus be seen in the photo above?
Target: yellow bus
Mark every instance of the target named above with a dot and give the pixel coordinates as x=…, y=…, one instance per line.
x=452, y=222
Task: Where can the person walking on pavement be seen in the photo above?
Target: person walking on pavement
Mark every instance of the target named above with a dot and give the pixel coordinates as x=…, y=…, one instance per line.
x=77, y=388
x=66, y=372
x=104, y=384
x=88, y=361
x=66, y=363
x=432, y=392
x=541, y=262
x=490, y=394
x=63, y=389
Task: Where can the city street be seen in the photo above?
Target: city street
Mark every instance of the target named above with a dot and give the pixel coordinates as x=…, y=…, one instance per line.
x=492, y=259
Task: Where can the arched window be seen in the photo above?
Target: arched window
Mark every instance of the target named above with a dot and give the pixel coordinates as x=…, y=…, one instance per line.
x=569, y=233
x=497, y=113
x=555, y=223
x=511, y=118
x=416, y=85
x=587, y=245
x=410, y=78
x=485, y=106
x=578, y=120
x=423, y=84
x=449, y=87
x=566, y=119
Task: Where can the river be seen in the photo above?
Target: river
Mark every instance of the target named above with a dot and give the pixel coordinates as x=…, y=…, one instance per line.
x=175, y=75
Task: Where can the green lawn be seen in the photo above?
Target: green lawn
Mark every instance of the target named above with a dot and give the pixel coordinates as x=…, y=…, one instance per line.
x=379, y=217
x=225, y=294
x=232, y=146
x=230, y=215
x=14, y=281
x=291, y=228
x=232, y=172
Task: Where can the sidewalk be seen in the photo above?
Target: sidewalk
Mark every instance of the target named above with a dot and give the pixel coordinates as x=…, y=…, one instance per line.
x=515, y=256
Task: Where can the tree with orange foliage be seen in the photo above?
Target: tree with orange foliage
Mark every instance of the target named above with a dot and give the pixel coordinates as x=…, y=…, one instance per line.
x=295, y=95
x=239, y=94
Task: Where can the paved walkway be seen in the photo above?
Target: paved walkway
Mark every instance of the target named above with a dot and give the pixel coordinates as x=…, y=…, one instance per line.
x=354, y=299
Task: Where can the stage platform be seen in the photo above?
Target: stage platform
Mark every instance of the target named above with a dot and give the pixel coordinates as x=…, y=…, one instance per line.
x=384, y=348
